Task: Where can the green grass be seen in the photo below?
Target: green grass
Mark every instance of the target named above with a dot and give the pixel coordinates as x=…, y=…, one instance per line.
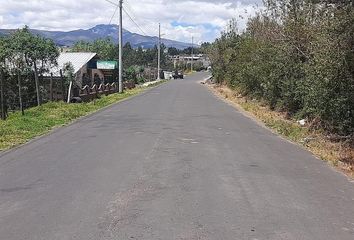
x=290, y=130
x=287, y=128
x=18, y=129
x=272, y=119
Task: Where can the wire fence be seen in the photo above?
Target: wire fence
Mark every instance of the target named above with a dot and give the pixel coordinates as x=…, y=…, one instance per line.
x=54, y=90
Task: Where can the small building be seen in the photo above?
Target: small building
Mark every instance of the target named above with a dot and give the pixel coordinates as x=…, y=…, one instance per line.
x=89, y=69
x=83, y=64
x=200, y=59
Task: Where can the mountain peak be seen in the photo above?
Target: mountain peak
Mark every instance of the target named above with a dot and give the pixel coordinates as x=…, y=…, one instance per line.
x=102, y=31
x=106, y=28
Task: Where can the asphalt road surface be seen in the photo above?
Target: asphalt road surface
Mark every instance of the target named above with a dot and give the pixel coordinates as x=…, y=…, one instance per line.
x=172, y=163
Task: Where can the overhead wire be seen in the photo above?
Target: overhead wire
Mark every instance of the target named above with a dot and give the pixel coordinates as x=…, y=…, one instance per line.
x=130, y=15
x=137, y=25
x=133, y=15
x=127, y=13
x=115, y=11
x=111, y=2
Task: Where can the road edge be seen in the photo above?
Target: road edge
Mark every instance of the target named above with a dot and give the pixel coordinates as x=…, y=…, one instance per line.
x=259, y=122
x=58, y=128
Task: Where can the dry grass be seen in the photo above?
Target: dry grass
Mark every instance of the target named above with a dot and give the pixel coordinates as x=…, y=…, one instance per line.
x=338, y=153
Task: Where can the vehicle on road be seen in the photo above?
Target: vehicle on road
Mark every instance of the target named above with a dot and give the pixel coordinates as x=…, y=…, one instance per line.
x=178, y=74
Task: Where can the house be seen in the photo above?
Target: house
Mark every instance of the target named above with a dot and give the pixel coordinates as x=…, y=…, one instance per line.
x=84, y=66
x=88, y=68
x=200, y=59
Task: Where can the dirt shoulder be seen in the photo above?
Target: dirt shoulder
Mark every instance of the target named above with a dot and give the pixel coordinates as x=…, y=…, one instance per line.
x=332, y=149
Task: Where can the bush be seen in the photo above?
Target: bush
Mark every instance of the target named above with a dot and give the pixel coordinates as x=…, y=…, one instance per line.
x=297, y=62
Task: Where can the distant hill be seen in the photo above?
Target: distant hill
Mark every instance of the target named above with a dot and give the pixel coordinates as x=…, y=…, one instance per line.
x=101, y=31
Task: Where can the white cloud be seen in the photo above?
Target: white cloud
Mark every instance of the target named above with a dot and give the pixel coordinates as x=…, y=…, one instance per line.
x=204, y=19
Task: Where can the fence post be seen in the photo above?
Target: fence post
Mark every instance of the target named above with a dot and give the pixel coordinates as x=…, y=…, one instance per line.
x=62, y=85
x=51, y=87
x=20, y=92
x=3, y=114
x=36, y=80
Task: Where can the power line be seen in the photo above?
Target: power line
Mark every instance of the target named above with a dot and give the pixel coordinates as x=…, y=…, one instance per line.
x=115, y=4
x=134, y=16
x=127, y=4
x=134, y=22
x=115, y=11
x=129, y=15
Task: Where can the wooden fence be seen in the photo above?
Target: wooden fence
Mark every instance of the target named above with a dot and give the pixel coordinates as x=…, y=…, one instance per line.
x=88, y=93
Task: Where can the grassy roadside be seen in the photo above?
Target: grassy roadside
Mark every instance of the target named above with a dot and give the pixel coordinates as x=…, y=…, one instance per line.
x=337, y=153
x=18, y=129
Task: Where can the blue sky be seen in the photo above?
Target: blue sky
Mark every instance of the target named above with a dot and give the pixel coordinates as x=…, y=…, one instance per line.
x=180, y=20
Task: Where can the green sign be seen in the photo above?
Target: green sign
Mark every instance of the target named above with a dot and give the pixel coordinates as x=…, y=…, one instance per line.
x=107, y=65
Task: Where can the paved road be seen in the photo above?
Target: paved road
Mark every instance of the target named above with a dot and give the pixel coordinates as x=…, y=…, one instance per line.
x=172, y=163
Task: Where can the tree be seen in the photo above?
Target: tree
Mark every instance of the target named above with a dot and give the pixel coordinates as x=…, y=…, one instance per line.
x=20, y=45
x=172, y=51
x=105, y=48
x=44, y=53
x=23, y=57
x=297, y=56
x=131, y=74
x=204, y=48
x=128, y=55
x=29, y=51
x=81, y=46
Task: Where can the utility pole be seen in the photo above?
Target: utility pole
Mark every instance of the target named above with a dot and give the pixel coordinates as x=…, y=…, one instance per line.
x=120, y=46
x=159, y=54
x=192, y=55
